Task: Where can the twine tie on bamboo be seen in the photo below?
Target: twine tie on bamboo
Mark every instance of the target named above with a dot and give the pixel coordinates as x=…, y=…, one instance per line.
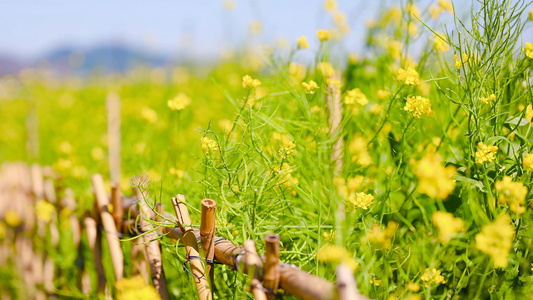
x=188, y=258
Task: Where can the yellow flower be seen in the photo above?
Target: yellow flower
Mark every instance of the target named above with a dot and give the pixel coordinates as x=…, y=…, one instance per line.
x=229, y=4
x=459, y=62
x=316, y=109
x=337, y=254
x=302, y=42
x=256, y=27
x=409, y=76
x=209, y=145
x=297, y=71
x=285, y=175
x=149, y=114
x=531, y=15
x=97, y=153
x=383, y=94
x=448, y=225
x=310, y=87
x=330, y=5
x=326, y=69
x=446, y=5
x=225, y=125
x=376, y=281
x=355, y=95
x=12, y=218
x=331, y=82
x=3, y=230
x=432, y=276
x=323, y=35
x=488, y=99
x=359, y=151
x=513, y=193
x=496, y=240
x=528, y=161
x=361, y=200
x=354, y=183
x=135, y=288
x=529, y=50
x=382, y=236
x=413, y=10
x=287, y=145
x=249, y=82
x=440, y=43
x=485, y=153
x=418, y=106
x=435, y=11
x=179, y=102
x=44, y=210
x=434, y=179
x=413, y=286
x=65, y=147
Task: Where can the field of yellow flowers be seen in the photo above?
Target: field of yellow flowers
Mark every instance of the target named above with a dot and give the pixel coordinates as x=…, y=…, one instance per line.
x=411, y=162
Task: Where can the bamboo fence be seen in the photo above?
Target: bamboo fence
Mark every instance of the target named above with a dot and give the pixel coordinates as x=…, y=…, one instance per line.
x=116, y=216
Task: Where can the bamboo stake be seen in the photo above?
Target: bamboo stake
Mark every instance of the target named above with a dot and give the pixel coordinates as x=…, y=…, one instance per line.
x=252, y=260
x=346, y=286
x=117, y=202
x=113, y=135
x=207, y=234
x=93, y=237
x=271, y=277
x=191, y=246
x=109, y=226
x=153, y=253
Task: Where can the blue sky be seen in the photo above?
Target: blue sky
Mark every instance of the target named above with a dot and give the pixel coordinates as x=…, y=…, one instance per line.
x=30, y=28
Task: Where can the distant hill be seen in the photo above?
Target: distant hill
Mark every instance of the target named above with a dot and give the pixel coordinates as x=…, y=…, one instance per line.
x=71, y=60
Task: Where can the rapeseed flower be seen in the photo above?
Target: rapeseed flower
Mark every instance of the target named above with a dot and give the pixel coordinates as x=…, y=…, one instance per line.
x=179, y=102
x=3, y=230
x=149, y=114
x=12, y=218
x=529, y=50
x=249, y=82
x=302, y=42
x=229, y=4
x=531, y=15
x=513, y=193
x=310, y=87
x=256, y=27
x=418, y=106
x=412, y=286
x=326, y=69
x=44, y=210
x=97, y=153
x=383, y=94
x=496, y=240
x=409, y=76
x=382, y=236
x=297, y=71
x=485, y=153
x=434, y=179
x=135, y=288
x=358, y=149
x=448, y=225
x=323, y=35
x=337, y=254
x=285, y=175
x=432, y=276
x=413, y=10
x=330, y=5
x=435, y=11
x=355, y=95
x=488, y=99
x=459, y=62
x=446, y=5
x=361, y=200
x=209, y=145
x=439, y=43
x=528, y=161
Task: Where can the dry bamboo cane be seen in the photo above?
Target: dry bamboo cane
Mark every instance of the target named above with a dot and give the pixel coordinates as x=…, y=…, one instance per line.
x=346, y=286
x=153, y=253
x=94, y=241
x=271, y=277
x=207, y=234
x=191, y=246
x=109, y=226
x=252, y=260
x=117, y=202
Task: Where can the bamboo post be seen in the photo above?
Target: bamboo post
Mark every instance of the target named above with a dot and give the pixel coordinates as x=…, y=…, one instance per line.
x=109, y=226
x=93, y=238
x=113, y=135
x=116, y=202
x=346, y=286
x=252, y=260
x=271, y=277
x=191, y=247
x=153, y=253
x=207, y=234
